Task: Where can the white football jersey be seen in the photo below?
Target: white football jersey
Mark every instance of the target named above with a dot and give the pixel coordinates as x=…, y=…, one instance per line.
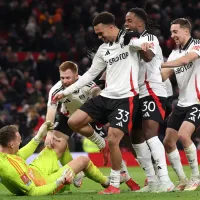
x=150, y=79
x=73, y=101
x=188, y=76
x=122, y=66
x=169, y=87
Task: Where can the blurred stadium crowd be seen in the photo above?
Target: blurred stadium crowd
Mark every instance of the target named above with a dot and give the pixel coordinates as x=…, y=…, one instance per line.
x=31, y=29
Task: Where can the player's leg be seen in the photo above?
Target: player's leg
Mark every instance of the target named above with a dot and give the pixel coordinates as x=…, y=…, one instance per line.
x=125, y=176
x=158, y=154
x=188, y=127
x=84, y=164
x=153, y=112
x=121, y=120
x=143, y=152
x=47, y=160
x=114, y=137
x=62, y=130
x=144, y=159
x=170, y=140
x=79, y=122
x=93, y=109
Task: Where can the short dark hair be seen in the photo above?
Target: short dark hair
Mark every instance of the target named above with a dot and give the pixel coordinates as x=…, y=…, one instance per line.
x=7, y=133
x=104, y=18
x=140, y=12
x=183, y=22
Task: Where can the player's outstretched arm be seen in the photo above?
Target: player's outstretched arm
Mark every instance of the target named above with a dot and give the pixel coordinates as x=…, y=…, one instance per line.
x=29, y=149
x=132, y=39
x=97, y=67
x=184, y=60
x=50, y=116
x=52, y=188
x=27, y=187
x=19, y=182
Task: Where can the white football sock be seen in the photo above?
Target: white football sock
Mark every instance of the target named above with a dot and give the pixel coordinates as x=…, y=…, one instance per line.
x=158, y=153
x=154, y=166
x=175, y=161
x=98, y=140
x=124, y=169
x=191, y=153
x=115, y=178
x=144, y=158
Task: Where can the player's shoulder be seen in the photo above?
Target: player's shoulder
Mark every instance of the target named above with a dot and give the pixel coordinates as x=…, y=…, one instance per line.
x=195, y=44
x=195, y=41
x=102, y=47
x=100, y=51
x=148, y=36
x=190, y=44
x=56, y=88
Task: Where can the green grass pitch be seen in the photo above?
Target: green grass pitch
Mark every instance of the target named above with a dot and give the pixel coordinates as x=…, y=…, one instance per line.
x=89, y=189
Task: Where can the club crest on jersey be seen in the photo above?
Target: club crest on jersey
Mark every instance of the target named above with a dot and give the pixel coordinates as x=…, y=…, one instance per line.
x=25, y=179
x=197, y=47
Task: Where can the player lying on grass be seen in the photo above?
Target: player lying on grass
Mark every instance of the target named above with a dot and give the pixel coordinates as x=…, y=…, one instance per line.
x=44, y=175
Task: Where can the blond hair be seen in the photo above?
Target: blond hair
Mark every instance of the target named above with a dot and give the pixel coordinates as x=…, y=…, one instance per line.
x=68, y=65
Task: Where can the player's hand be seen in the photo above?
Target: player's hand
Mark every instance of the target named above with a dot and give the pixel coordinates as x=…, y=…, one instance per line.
x=42, y=132
x=129, y=35
x=66, y=178
x=146, y=46
x=58, y=96
x=49, y=141
x=69, y=176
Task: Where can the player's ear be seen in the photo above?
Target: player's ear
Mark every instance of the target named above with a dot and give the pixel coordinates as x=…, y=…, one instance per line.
x=111, y=26
x=187, y=31
x=76, y=75
x=11, y=144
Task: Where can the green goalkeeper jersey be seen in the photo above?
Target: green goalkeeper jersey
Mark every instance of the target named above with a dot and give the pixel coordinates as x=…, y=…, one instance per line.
x=19, y=177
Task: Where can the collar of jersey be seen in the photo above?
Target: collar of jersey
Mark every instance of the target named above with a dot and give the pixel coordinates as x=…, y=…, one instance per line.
x=118, y=37
x=187, y=44
x=143, y=33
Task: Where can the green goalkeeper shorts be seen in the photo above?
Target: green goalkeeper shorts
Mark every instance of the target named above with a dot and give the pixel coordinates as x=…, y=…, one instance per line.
x=46, y=163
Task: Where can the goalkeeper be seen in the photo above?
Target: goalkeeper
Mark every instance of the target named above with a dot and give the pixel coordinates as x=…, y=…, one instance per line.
x=44, y=175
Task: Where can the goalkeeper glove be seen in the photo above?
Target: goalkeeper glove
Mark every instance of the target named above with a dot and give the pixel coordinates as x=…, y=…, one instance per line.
x=66, y=178
x=42, y=132
x=129, y=35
